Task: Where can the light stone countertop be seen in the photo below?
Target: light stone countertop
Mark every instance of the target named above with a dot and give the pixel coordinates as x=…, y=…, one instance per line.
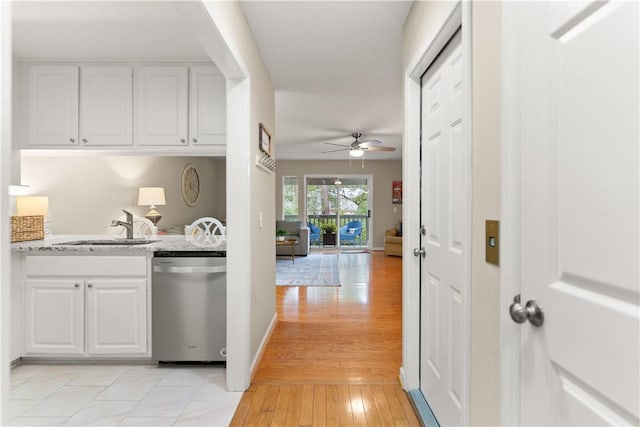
x=165, y=243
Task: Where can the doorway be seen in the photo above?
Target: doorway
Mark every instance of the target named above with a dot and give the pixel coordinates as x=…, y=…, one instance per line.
x=342, y=204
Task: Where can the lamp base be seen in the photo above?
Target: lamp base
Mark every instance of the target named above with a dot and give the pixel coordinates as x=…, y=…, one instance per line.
x=153, y=215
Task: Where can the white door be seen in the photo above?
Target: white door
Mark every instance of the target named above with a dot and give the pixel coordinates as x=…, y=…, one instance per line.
x=444, y=194
x=106, y=102
x=116, y=316
x=52, y=105
x=578, y=106
x=161, y=105
x=207, y=106
x=54, y=317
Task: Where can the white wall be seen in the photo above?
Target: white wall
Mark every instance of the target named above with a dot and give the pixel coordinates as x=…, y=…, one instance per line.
x=86, y=193
x=383, y=171
x=420, y=30
x=5, y=174
x=251, y=194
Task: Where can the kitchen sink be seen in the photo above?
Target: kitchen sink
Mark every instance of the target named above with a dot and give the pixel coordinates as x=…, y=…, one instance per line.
x=113, y=242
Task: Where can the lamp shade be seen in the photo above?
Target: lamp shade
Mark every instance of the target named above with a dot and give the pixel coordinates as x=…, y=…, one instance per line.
x=32, y=205
x=151, y=196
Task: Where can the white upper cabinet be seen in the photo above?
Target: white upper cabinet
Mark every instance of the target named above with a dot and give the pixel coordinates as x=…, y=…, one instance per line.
x=106, y=100
x=207, y=106
x=161, y=105
x=124, y=106
x=52, y=105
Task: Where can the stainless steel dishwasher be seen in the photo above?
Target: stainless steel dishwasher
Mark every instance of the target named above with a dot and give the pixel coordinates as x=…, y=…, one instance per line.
x=189, y=300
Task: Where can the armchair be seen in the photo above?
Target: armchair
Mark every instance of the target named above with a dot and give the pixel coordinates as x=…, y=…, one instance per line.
x=314, y=233
x=393, y=242
x=295, y=230
x=351, y=232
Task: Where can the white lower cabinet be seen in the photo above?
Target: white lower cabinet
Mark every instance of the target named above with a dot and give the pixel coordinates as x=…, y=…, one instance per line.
x=116, y=316
x=86, y=306
x=54, y=320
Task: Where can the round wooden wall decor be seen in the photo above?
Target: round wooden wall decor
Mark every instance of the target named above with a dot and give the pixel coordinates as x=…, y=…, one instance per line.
x=190, y=185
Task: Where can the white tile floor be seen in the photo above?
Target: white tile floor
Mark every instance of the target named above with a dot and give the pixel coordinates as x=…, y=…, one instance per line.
x=120, y=395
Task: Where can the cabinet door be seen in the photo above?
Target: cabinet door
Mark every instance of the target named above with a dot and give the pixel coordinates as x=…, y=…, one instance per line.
x=52, y=105
x=106, y=101
x=161, y=105
x=207, y=106
x=116, y=316
x=54, y=317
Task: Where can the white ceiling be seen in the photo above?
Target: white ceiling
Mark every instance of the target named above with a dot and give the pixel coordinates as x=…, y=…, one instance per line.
x=336, y=66
x=102, y=30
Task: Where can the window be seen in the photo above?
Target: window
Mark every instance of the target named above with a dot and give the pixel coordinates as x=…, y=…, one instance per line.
x=290, y=198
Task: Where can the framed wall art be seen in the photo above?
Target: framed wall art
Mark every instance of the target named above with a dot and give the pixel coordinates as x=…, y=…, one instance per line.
x=265, y=140
x=396, y=192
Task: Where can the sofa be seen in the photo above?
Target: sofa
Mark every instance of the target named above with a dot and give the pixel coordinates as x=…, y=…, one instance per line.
x=295, y=230
x=393, y=242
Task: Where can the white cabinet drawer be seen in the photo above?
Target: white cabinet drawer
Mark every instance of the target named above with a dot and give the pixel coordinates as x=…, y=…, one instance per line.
x=86, y=266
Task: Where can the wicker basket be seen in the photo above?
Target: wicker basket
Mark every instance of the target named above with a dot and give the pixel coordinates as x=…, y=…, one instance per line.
x=25, y=228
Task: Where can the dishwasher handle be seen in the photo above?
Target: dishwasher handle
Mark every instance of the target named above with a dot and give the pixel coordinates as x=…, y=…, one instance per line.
x=193, y=269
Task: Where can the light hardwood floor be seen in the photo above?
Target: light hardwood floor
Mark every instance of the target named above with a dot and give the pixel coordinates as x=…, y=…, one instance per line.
x=335, y=353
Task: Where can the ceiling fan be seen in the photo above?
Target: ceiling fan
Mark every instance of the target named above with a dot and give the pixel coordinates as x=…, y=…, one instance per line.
x=357, y=148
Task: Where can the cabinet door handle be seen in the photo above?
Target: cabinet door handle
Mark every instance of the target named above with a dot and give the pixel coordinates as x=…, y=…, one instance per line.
x=84, y=140
x=72, y=140
x=183, y=140
x=77, y=285
x=195, y=140
x=90, y=285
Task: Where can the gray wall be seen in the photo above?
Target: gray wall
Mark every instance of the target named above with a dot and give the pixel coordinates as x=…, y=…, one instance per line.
x=383, y=171
x=86, y=193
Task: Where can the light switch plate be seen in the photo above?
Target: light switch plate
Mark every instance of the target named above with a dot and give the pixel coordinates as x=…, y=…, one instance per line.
x=492, y=242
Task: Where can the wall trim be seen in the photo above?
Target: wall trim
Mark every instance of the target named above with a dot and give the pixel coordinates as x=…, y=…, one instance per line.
x=510, y=217
x=263, y=345
x=458, y=16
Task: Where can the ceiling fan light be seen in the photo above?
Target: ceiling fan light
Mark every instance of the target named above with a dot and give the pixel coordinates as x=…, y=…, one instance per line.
x=356, y=152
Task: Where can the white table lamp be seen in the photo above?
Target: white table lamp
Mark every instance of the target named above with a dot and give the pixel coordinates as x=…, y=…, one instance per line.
x=152, y=196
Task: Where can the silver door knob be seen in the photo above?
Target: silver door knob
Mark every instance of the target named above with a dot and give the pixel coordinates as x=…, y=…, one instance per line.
x=84, y=140
x=72, y=140
x=531, y=312
x=77, y=285
x=419, y=252
x=195, y=140
x=90, y=285
x=183, y=140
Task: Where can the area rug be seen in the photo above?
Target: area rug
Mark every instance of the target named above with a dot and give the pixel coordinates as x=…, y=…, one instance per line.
x=316, y=269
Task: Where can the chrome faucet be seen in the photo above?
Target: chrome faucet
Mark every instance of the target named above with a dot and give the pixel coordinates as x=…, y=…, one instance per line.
x=128, y=225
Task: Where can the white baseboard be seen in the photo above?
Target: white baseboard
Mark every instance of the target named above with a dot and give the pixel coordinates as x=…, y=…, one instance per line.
x=377, y=249
x=263, y=345
x=401, y=377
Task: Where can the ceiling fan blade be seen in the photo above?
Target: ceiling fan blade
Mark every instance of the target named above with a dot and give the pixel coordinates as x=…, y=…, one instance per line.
x=338, y=145
x=333, y=151
x=370, y=142
x=378, y=148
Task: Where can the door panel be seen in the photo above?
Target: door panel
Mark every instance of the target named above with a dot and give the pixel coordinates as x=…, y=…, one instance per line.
x=54, y=317
x=579, y=222
x=116, y=316
x=106, y=103
x=444, y=192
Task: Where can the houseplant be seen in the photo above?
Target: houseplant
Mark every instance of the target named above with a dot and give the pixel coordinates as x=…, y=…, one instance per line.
x=328, y=234
x=280, y=234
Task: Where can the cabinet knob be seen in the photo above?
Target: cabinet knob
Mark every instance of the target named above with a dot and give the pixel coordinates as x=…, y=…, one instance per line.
x=195, y=140
x=183, y=140
x=84, y=140
x=77, y=285
x=90, y=285
x=72, y=140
